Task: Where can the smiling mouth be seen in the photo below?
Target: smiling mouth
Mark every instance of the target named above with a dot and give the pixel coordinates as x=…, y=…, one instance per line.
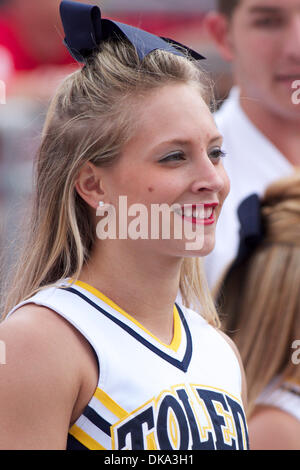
x=203, y=214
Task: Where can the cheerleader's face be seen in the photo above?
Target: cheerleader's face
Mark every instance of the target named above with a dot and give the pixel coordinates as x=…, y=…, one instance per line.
x=174, y=158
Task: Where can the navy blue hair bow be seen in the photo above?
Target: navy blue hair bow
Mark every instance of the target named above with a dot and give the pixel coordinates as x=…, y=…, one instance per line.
x=85, y=29
x=251, y=227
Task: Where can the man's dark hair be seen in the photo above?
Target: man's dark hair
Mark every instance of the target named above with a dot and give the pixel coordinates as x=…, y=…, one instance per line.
x=227, y=6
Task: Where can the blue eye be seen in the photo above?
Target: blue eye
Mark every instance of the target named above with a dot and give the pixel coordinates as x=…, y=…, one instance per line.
x=216, y=154
x=173, y=157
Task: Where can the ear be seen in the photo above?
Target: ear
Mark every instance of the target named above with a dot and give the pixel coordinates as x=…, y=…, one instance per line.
x=89, y=184
x=219, y=28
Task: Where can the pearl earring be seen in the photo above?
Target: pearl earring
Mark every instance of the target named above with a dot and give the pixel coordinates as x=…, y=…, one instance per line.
x=101, y=203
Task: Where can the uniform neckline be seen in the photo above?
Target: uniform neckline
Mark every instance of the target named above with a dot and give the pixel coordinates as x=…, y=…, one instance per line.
x=177, y=334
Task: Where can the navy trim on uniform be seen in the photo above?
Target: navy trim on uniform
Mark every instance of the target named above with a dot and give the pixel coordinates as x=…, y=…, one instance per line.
x=73, y=444
x=97, y=420
x=182, y=365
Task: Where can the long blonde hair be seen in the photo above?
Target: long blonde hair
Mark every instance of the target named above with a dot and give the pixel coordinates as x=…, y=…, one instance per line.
x=92, y=115
x=260, y=299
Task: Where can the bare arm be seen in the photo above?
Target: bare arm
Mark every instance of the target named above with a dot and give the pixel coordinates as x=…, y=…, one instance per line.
x=41, y=384
x=273, y=429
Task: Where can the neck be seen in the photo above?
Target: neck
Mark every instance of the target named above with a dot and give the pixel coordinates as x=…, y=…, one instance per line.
x=282, y=131
x=145, y=288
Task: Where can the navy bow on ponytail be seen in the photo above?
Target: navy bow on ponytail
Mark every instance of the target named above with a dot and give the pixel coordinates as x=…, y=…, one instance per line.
x=85, y=30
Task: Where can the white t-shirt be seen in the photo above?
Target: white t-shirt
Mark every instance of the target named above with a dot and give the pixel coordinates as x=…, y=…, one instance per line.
x=252, y=163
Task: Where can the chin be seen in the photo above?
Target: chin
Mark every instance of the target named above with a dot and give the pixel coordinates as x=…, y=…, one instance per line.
x=206, y=248
x=209, y=244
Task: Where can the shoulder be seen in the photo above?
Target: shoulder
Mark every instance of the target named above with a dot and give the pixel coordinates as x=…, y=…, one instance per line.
x=196, y=321
x=43, y=376
x=38, y=331
x=193, y=316
x=273, y=429
x=235, y=350
x=223, y=347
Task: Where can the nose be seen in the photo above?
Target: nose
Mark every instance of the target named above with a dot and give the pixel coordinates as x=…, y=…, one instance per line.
x=209, y=177
x=292, y=41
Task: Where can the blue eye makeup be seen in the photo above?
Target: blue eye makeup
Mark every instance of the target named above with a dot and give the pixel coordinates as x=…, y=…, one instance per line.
x=173, y=157
x=216, y=154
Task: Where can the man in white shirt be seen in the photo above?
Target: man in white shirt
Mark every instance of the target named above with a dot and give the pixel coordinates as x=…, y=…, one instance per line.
x=260, y=121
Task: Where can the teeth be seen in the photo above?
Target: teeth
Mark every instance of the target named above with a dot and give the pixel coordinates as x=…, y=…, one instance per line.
x=200, y=213
x=178, y=211
x=208, y=212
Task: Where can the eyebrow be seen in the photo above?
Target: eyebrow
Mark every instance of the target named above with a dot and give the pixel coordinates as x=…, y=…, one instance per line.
x=265, y=9
x=216, y=138
x=185, y=142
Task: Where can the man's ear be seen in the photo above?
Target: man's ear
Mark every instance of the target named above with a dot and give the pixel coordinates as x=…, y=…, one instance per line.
x=218, y=26
x=89, y=184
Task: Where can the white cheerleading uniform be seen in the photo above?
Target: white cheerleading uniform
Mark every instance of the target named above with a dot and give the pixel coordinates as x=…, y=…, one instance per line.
x=182, y=396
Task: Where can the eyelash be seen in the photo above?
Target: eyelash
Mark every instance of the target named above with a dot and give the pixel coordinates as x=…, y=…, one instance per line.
x=172, y=157
x=220, y=154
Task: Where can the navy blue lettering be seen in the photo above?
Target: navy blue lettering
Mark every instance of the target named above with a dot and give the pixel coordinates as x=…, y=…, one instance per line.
x=197, y=444
x=237, y=412
x=218, y=421
x=134, y=427
x=162, y=424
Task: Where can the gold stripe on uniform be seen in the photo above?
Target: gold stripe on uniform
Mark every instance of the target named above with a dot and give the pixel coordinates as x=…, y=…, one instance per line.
x=110, y=404
x=176, y=341
x=85, y=439
x=151, y=444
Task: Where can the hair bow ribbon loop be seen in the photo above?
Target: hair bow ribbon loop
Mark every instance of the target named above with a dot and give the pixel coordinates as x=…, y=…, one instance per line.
x=84, y=31
x=82, y=26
